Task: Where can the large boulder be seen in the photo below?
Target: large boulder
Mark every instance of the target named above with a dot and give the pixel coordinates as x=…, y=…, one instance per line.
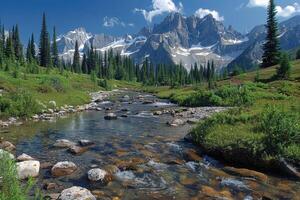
x=96, y=174
x=76, y=193
x=26, y=169
x=63, y=143
x=24, y=157
x=111, y=116
x=63, y=168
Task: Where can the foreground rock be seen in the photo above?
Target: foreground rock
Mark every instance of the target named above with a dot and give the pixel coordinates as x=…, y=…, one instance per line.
x=63, y=169
x=63, y=143
x=28, y=169
x=7, y=146
x=24, y=157
x=76, y=193
x=96, y=174
x=111, y=116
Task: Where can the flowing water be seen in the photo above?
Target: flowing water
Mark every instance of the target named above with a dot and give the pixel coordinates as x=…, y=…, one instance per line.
x=158, y=165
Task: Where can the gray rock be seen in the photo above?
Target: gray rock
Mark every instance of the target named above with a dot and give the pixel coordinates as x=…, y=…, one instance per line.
x=76, y=193
x=85, y=143
x=63, y=143
x=24, y=157
x=96, y=174
x=63, y=168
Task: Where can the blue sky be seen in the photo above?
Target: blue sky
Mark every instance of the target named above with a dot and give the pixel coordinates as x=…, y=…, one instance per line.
x=118, y=17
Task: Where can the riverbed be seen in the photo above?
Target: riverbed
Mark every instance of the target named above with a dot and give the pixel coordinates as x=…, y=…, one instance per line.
x=152, y=159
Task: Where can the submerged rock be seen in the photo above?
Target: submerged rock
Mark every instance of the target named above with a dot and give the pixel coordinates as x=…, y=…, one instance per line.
x=176, y=122
x=63, y=143
x=76, y=193
x=111, y=116
x=247, y=173
x=24, y=157
x=63, y=168
x=28, y=169
x=77, y=150
x=85, y=143
x=96, y=174
x=191, y=155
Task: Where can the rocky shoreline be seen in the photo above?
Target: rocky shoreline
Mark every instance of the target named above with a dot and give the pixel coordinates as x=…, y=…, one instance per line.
x=55, y=112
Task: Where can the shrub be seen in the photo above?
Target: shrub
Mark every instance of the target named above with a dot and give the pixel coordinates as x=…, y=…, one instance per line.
x=202, y=98
x=284, y=70
x=235, y=95
x=11, y=187
x=281, y=129
x=22, y=104
x=55, y=82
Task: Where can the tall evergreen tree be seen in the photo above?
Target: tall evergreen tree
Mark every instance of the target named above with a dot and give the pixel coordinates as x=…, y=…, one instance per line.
x=18, y=49
x=76, y=59
x=44, y=53
x=84, y=66
x=271, y=47
x=284, y=70
x=9, y=48
x=28, y=51
x=54, y=50
x=32, y=47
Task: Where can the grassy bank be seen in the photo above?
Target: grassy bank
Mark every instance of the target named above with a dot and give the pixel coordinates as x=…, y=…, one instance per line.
x=262, y=127
x=24, y=94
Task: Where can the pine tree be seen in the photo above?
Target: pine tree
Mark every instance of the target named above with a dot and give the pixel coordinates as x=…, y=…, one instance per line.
x=84, y=66
x=9, y=48
x=32, y=48
x=76, y=59
x=298, y=54
x=17, y=43
x=284, y=70
x=28, y=51
x=271, y=47
x=44, y=53
x=54, y=50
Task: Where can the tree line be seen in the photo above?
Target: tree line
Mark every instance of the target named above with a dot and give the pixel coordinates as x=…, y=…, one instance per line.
x=102, y=65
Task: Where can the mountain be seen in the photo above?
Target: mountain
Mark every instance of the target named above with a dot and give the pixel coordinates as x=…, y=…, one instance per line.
x=187, y=40
x=289, y=37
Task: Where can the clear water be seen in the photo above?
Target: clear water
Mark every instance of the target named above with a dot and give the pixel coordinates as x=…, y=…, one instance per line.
x=148, y=141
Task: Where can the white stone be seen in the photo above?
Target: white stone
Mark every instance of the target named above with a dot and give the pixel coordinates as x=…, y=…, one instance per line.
x=63, y=143
x=76, y=193
x=96, y=174
x=28, y=169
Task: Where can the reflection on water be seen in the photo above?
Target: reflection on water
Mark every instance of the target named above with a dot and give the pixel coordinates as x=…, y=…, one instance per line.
x=157, y=168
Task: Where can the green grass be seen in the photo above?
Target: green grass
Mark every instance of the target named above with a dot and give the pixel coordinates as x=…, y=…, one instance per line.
x=240, y=131
x=64, y=88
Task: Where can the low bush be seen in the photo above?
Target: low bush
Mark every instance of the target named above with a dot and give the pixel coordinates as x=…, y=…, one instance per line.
x=281, y=129
x=18, y=104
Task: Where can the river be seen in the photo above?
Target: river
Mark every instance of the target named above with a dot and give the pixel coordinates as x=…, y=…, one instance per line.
x=154, y=160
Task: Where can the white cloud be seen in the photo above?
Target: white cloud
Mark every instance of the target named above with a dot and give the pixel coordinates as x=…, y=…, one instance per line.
x=114, y=21
x=203, y=12
x=288, y=10
x=159, y=7
x=258, y=3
